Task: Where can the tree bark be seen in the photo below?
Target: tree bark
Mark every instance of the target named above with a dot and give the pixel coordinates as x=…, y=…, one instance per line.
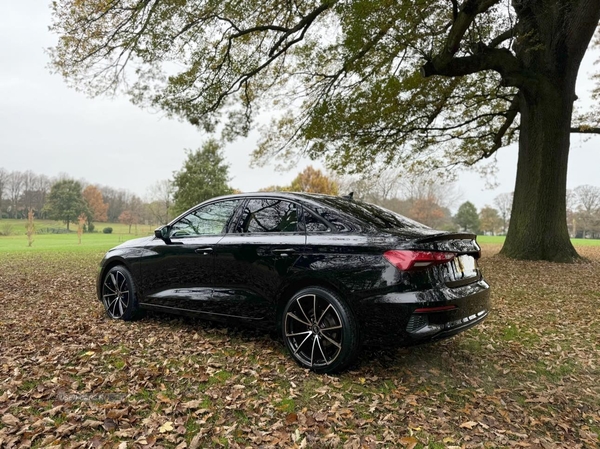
x=538, y=225
x=554, y=38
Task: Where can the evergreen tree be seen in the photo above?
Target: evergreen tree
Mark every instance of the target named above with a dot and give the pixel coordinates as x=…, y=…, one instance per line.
x=204, y=175
x=467, y=217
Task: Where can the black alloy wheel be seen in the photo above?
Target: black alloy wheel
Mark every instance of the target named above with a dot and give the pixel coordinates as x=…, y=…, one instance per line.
x=118, y=294
x=320, y=331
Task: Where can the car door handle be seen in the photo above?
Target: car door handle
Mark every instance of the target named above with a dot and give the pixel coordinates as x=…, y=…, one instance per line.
x=203, y=251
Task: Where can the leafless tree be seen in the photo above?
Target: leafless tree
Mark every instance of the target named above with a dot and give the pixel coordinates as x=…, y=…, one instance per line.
x=572, y=203
x=159, y=198
x=42, y=185
x=28, y=196
x=588, y=197
x=14, y=189
x=383, y=186
x=117, y=202
x=432, y=186
x=588, y=214
x=423, y=197
x=504, y=204
x=3, y=182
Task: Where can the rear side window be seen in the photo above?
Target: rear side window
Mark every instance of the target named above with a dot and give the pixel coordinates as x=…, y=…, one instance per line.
x=333, y=218
x=312, y=223
x=268, y=215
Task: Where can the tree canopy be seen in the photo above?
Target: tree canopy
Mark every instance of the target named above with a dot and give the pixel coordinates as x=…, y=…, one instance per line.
x=467, y=218
x=159, y=200
x=97, y=207
x=361, y=83
x=490, y=220
x=313, y=180
x=65, y=201
x=204, y=175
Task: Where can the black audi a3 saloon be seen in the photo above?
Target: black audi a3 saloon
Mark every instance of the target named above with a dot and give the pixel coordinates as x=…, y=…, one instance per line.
x=329, y=273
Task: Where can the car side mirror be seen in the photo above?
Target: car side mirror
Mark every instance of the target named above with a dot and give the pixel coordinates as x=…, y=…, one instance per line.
x=163, y=233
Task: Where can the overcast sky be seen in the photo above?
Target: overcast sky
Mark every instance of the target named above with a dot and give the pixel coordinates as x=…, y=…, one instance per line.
x=50, y=129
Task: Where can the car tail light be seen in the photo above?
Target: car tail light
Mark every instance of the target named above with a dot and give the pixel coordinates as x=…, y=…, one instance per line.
x=406, y=260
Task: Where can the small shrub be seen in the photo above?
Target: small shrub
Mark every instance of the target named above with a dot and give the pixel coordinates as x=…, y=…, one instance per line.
x=7, y=229
x=52, y=231
x=90, y=227
x=107, y=230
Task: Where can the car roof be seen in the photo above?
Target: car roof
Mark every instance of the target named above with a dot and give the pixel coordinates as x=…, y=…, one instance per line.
x=279, y=194
x=353, y=210
x=298, y=196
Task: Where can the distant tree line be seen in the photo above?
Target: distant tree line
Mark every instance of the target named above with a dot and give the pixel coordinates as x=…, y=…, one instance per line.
x=63, y=198
x=20, y=191
x=203, y=175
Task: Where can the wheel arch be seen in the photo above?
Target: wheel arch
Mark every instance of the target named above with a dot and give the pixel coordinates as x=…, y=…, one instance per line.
x=298, y=284
x=109, y=264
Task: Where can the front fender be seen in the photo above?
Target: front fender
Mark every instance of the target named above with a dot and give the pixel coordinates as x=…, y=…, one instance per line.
x=128, y=257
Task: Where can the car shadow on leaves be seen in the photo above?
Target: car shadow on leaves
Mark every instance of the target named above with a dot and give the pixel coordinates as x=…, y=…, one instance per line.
x=386, y=361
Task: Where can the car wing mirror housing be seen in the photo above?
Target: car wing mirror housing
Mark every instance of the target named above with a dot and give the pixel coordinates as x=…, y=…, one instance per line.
x=163, y=233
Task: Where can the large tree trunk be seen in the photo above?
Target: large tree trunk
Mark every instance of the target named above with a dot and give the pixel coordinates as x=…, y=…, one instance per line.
x=538, y=224
x=554, y=38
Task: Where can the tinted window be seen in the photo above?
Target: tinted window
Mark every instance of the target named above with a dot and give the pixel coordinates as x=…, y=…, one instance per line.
x=370, y=213
x=207, y=220
x=332, y=218
x=269, y=215
x=312, y=223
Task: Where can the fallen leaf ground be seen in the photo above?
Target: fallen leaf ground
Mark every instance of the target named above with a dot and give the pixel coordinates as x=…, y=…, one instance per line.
x=528, y=377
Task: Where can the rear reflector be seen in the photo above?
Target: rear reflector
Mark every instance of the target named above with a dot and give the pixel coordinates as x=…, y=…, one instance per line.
x=435, y=309
x=411, y=260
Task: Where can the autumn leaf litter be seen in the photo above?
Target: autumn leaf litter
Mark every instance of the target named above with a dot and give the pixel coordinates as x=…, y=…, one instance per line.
x=70, y=377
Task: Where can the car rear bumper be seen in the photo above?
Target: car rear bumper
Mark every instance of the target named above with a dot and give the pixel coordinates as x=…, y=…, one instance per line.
x=409, y=318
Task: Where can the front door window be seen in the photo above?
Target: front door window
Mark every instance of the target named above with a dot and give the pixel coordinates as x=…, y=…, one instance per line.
x=211, y=219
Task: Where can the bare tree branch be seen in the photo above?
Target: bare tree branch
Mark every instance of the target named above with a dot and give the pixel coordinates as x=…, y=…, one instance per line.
x=582, y=129
x=486, y=58
x=510, y=115
x=499, y=59
x=303, y=24
x=454, y=9
x=468, y=11
x=508, y=34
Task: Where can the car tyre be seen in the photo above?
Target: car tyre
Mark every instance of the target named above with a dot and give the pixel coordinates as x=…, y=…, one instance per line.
x=119, y=295
x=320, y=330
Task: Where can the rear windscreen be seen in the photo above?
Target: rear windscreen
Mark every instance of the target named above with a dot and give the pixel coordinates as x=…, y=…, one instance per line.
x=375, y=215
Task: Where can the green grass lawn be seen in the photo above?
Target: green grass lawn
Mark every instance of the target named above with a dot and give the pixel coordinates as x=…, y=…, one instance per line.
x=17, y=240
x=18, y=226
x=499, y=239
x=63, y=242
